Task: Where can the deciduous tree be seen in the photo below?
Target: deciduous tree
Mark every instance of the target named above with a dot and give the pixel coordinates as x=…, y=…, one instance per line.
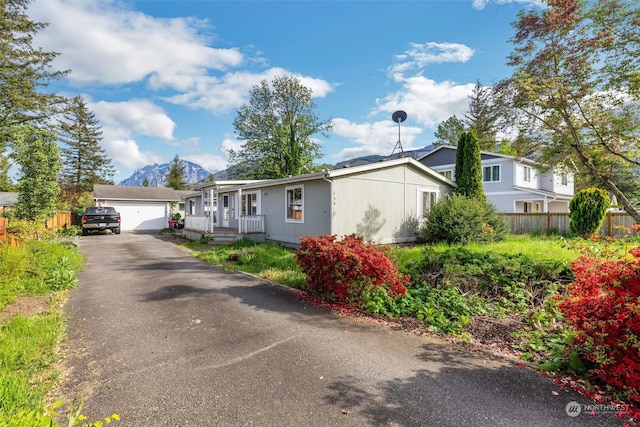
x=277, y=126
x=577, y=86
x=37, y=155
x=449, y=131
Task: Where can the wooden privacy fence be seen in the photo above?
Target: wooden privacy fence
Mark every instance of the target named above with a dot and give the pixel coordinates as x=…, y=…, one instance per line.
x=616, y=224
x=62, y=219
x=3, y=230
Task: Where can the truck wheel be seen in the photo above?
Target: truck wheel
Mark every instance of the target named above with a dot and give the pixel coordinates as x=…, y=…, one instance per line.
x=117, y=230
x=85, y=232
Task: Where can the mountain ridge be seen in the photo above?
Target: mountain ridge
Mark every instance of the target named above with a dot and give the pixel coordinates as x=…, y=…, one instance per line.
x=156, y=174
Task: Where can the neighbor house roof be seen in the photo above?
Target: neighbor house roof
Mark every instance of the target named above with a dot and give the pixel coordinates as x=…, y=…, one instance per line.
x=8, y=199
x=484, y=154
x=123, y=192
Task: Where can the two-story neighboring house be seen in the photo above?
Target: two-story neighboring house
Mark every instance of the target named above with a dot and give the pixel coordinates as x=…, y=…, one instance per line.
x=511, y=184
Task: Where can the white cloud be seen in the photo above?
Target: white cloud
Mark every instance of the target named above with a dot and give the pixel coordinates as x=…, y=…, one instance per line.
x=126, y=152
x=426, y=101
x=208, y=161
x=135, y=117
x=373, y=138
x=229, y=92
x=480, y=4
x=421, y=55
x=104, y=43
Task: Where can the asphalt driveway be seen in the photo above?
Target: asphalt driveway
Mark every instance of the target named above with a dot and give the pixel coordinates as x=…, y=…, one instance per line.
x=162, y=338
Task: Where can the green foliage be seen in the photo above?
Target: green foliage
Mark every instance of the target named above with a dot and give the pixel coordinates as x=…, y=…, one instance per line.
x=175, y=175
x=266, y=260
x=484, y=116
x=458, y=219
x=85, y=162
x=468, y=170
x=576, y=79
x=27, y=351
x=37, y=267
x=37, y=155
x=26, y=71
x=277, y=126
x=48, y=417
x=587, y=210
x=449, y=132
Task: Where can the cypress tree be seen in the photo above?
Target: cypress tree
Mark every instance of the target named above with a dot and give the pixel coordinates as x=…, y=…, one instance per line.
x=468, y=173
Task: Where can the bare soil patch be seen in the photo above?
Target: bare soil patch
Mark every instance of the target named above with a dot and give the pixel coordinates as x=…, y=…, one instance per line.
x=26, y=306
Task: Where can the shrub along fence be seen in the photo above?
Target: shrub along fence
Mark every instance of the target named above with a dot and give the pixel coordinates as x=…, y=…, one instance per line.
x=616, y=224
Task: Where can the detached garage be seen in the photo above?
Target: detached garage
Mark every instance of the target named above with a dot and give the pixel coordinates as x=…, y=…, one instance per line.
x=140, y=208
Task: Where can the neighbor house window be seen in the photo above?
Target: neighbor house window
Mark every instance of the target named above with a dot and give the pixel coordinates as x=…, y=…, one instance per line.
x=491, y=173
x=527, y=174
x=563, y=178
x=447, y=174
x=295, y=203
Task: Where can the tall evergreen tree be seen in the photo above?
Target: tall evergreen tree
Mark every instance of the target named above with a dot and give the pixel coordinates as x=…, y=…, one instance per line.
x=85, y=161
x=25, y=72
x=175, y=175
x=468, y=173
x=38, y=157
x=484, y=117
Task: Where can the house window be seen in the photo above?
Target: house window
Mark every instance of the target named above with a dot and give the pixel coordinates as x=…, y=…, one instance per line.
x=528, y=207
x=527, y=174
x=491, y=173
x=294, y=203
x=447, y=174
x=563, y=178
x=427, y=200
x=249, y=204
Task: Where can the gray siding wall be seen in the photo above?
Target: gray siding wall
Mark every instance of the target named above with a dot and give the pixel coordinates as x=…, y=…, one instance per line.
x=382, y=206
x=316, y=212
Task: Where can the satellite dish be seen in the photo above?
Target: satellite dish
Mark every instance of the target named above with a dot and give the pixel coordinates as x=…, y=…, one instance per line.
x=399, y=117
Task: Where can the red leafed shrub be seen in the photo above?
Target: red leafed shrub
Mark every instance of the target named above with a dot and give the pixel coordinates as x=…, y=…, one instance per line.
x=340, y=270
x=603, y=305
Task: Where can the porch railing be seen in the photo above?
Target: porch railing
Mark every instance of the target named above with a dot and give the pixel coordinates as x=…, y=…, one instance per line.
x=197, y=223
x=252, y=224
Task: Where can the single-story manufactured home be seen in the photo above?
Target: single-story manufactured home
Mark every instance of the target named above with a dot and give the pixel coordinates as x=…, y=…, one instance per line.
x=141, y=208
x=383, y=202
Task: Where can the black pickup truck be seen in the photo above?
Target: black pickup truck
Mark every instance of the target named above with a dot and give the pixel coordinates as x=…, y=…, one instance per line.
x=100, y=218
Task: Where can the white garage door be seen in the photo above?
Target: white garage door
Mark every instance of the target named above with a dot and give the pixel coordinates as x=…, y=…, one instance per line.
x=141, y=215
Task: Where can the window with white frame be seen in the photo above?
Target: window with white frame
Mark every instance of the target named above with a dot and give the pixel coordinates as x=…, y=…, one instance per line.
x=294, y=203
x=491, y=173
x=447, y=174
x=426, y=200
x=563, y=178
x=249, y=204
x=527, y=174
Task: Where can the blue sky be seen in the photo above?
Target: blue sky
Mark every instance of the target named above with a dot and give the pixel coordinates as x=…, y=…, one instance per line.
x=167, y=77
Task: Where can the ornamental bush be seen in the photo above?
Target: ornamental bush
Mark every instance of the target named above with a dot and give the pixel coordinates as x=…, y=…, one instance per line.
x=460, y=219
x=587, y=210
x=341, y=270
x=603, y=306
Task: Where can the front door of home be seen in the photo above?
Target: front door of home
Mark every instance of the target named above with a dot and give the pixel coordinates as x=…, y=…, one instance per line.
x=225, y=210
